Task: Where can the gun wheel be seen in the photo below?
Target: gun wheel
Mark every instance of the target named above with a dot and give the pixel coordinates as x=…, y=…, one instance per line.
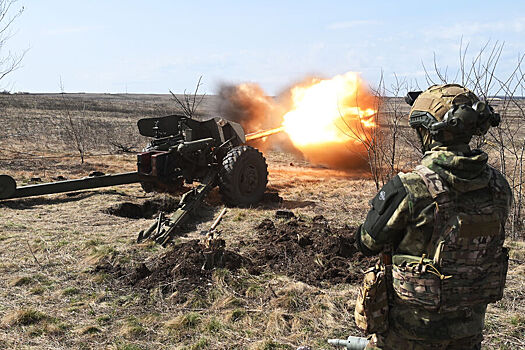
x=243, y=176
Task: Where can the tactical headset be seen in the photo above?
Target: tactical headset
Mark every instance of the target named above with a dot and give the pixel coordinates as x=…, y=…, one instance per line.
x=467, y=116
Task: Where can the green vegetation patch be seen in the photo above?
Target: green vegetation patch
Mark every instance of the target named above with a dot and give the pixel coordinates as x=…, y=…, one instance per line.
x=273, y=345
x=133, y=327
x=187, y=321
x=90, y=330
x=70, y=291
x=21, y=281
x=24, y=317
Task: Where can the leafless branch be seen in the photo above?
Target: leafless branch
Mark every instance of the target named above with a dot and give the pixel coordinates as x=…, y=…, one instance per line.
x=190, y=102
x=11, y=61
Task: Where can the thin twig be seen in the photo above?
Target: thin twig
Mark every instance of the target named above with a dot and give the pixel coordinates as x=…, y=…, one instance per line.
x=33, y=254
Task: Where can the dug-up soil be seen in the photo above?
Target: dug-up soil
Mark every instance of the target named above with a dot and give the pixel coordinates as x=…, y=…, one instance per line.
x=145, y=209
x=313, y=253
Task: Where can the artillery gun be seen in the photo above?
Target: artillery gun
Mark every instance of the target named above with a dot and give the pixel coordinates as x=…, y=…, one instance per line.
x=212, y=153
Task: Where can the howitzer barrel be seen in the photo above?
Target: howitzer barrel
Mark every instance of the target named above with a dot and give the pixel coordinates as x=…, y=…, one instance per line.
x=264, y=133
x=9, y=190
x=352, y=343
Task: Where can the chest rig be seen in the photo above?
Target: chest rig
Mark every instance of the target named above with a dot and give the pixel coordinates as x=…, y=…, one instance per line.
x=465, y=263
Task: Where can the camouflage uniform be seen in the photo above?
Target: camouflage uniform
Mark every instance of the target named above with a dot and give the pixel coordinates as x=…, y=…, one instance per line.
x=409, y=231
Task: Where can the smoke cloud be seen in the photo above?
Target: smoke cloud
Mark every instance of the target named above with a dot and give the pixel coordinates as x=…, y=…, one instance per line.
x=248, y=105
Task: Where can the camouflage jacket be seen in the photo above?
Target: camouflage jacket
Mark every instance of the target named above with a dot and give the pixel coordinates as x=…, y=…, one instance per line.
x=409, y=230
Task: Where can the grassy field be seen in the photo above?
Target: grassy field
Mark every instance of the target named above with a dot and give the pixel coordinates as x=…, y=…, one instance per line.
x=73, y=275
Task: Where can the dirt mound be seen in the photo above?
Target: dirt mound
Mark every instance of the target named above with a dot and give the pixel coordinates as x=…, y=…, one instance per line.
x=183, y=268
x=312, y=253
x=147, y=209
x=186, y=266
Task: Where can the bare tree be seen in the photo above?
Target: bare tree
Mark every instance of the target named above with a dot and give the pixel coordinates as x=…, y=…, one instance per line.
x=8, y=61
x=509, y=140
x=382, y=142
x=392, y=116
x=190, y=102
x=373, y=141
x=74, y=128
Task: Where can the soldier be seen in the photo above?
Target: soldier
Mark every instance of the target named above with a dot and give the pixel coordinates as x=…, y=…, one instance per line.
x=443, y=227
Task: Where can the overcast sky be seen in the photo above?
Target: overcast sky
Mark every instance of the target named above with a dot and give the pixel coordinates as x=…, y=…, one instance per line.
x=153, y=46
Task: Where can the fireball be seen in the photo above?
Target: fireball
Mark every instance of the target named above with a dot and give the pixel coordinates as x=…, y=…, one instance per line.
x=330, y=111
x=330, y=121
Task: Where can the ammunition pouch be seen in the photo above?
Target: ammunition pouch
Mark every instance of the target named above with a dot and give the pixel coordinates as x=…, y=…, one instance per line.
x=417, y=281
x=371, y=309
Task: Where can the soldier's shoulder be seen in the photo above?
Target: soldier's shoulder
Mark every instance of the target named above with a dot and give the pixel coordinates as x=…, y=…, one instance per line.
x=499, y=181
x=414, y=185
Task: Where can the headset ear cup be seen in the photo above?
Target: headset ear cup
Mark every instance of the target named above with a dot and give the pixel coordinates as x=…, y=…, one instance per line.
x=449, y=114
x=487, y=118
x=479, y=106
x=495, y=119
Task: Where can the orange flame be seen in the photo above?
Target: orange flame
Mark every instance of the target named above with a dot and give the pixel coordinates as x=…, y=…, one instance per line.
x=329, y=111
x=327, y=120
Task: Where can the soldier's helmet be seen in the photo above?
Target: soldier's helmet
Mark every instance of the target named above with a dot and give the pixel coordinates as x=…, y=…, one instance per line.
x=449, y=114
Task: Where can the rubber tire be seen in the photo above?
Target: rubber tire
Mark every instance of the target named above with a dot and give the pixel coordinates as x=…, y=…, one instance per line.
x=243, y=177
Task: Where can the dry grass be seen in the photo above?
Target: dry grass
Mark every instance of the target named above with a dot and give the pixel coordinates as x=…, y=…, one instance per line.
x=50, y=298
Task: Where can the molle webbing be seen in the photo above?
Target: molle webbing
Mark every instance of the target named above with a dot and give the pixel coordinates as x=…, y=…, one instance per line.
x=444, y=205
x=466, y=263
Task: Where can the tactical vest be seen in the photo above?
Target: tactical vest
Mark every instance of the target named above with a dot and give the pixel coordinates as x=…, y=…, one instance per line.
x=466, y=263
